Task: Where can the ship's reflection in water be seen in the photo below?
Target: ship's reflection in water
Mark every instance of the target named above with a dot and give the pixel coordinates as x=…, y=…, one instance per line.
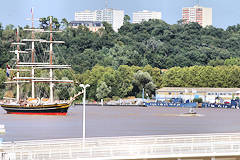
x=119, y=121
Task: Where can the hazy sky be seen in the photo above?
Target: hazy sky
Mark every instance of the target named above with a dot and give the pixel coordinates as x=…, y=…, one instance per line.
x=225, y=12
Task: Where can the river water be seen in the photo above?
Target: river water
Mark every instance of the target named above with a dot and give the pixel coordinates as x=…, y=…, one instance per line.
x=119, y=121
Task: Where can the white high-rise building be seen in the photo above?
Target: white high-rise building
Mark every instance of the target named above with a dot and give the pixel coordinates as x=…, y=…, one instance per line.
x=85, y=16
x=145, y=15
x=113, y=17
x=201, y=15
x=118, y=18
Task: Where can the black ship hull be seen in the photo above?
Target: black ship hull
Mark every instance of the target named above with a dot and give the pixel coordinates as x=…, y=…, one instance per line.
x=51, y=109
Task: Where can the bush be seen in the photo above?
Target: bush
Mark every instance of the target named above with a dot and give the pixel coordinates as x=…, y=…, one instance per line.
x=115, y=98
x=107, y=99
x=199, y=100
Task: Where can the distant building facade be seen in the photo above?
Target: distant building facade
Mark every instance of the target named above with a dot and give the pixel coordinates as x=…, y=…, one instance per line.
x=201, y=15
x=113, y=17
x=211, y=95
x=145, y=15
x=93, y=26
x=85, y=16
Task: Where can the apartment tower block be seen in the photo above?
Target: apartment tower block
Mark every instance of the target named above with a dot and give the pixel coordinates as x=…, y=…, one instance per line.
x=113, y=17
x=201, y=15
x=145, y=15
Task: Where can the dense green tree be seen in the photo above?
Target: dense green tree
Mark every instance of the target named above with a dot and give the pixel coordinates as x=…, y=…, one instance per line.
x=232, y=61
x=45, y=22
x=2, y=80
x=152, y=42
x=64, y=23
x=108, y=27
x=124, y=78
x=126, y=19
x=202, y=76
x=216, y=62
x=155, y=73
x=102, y=91
x=144, y=80
x=194, y=56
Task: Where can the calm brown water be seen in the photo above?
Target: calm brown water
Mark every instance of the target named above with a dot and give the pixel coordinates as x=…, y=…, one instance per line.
x=119, y=121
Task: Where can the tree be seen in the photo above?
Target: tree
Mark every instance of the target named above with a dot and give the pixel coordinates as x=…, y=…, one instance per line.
x=181, y=22
x=216, y=62
x=114, y=57
x=108, y=27
x=155, y=73
x=2, y=80
x=126, y=19
x=102, y=91
x=124, y=78
x=232, y=61
x=85, y=60
x=45, y=23
x=144, y=80
x=64, y=23
x=1, y=29
x=94, y=77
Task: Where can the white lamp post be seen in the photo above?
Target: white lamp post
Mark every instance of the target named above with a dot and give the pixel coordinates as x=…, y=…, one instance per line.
x=84, y=112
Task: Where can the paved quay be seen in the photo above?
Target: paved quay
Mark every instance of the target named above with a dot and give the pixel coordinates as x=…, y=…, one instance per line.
x=175, y=147
x=113, y=121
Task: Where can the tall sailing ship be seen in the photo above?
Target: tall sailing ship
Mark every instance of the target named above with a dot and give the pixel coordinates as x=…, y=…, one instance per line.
x=36, y=105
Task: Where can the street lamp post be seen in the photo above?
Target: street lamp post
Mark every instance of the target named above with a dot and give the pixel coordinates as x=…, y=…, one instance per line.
x=143, y=96
x=84, y=111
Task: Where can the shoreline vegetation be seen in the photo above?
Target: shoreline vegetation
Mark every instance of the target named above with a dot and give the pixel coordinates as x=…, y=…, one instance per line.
x=148, y=55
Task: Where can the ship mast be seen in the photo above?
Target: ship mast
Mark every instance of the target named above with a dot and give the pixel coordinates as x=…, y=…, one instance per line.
x=17, y=52
x=50, y=59
x=34, y=65
x=18, y=60
x=51, y=66
x=33, y=50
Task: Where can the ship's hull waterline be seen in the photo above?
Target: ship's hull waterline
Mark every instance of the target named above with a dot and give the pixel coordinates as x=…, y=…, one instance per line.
x=51, y=109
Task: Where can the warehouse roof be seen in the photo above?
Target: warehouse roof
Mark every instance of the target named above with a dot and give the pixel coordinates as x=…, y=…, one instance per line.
x=183, y=89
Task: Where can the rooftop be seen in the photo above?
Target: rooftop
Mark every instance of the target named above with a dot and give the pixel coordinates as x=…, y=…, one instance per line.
x=185, y=89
